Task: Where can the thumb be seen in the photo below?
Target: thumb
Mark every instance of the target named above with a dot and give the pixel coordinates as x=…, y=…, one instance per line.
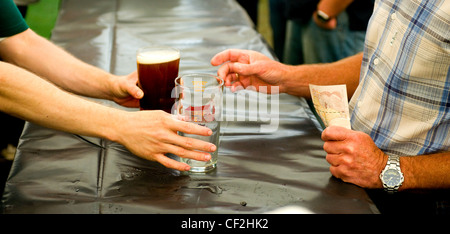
x=135, y=91
x=129, y=85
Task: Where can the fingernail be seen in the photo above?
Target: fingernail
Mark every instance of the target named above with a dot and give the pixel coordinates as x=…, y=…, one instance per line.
x=187, y=168
x=213, y=148
x=207, y=157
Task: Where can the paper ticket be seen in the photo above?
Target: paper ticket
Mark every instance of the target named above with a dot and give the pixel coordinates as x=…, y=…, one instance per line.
x=331, y=104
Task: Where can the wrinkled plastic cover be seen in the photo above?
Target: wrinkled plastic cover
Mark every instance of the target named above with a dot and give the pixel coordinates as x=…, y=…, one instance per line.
x=258, y=171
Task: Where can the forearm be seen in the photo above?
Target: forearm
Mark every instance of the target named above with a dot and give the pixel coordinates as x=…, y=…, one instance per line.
x=346, y=71
x=38, y=55
x=31, y=98
x=426, y=171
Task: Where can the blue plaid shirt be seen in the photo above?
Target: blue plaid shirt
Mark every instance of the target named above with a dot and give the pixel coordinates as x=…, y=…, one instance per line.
x=403, y=99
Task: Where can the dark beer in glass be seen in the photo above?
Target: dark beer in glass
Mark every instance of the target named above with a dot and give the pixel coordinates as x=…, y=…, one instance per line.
x=157, y=69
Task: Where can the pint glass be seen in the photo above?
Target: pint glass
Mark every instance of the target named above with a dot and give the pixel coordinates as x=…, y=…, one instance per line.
x=199, y=100
x=157, y=69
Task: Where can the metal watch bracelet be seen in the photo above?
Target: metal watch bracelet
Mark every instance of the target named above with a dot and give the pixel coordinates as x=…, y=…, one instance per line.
x=322, y=16
x=393, y=163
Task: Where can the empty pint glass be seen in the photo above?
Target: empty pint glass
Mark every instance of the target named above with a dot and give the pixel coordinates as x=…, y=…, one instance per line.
x=157, y=69
x=199, y=100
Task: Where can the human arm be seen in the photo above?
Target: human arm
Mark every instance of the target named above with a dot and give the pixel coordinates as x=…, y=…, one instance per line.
x=147, y=134
x=256, y=69
x=354, y=158
x=38, y=55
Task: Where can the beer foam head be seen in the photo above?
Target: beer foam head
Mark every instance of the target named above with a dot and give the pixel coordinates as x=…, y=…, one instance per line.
x=160, y=56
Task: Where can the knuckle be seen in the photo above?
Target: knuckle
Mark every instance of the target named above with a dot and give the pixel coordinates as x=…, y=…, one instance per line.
x=347, y=160
x=160, y=116
x=189, y=127
x=188, y=143
x=158, y=147
x=181, y=152
x=358, y=137
x=350, y=149
x=163, y=136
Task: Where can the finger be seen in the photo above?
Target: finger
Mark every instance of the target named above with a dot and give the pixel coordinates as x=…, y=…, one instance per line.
x=185, y=153
x=180, y=117
x=133, y=103
x=246, y=82
x=171, y=163
x=236, y=86
x=335, y=133
x=232, y=55
x=190, y=128
x=243, y=69
x=225, y=71
x=333, y=159
x=335, y=171
x=135, y=91
x=220, y=58
x=192, y=144
x=233, y=72
x=332, y=147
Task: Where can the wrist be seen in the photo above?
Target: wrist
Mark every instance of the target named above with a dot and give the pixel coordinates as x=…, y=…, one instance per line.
x=285, y=75
x=378, y=184
x=111, y=86
x=323, y=16
x=296, y=79
x=391, y=176
x=111, y=126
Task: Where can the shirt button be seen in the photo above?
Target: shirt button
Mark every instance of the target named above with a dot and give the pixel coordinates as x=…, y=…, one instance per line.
x=376, y=61
x=393, y=16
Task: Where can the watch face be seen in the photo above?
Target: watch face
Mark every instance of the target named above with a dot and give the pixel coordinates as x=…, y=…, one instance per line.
x=392, y=178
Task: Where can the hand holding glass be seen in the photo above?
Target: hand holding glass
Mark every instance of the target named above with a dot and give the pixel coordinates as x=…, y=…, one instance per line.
x=199, y=100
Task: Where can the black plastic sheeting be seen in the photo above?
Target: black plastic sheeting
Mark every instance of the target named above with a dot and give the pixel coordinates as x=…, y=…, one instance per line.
x=258, y=172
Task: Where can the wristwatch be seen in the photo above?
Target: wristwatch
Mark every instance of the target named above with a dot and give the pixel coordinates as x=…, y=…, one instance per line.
x=391, y=176
x=322, y=16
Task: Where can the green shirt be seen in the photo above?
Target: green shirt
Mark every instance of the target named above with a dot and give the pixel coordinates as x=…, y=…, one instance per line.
x=11, y=21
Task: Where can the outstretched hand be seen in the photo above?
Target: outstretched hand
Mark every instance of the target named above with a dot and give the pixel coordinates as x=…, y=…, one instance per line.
x=152, y=134
x=244, y=68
